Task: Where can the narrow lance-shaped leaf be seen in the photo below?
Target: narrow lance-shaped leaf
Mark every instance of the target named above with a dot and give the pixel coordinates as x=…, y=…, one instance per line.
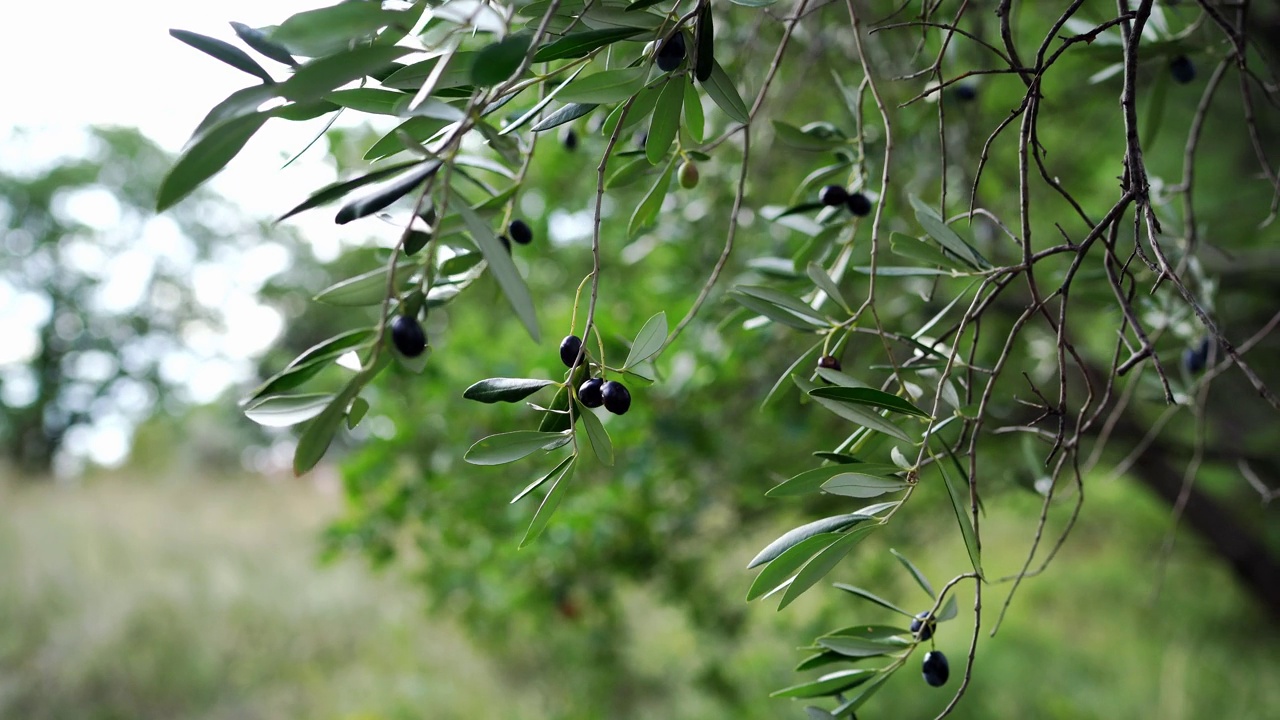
x=811, y=481
x=549, y=505
x=511, y=446
x=258, y=40
x=648, y=208
x=828, y=286
x=539, y=482
x=337, y=190
x=725, y=95
x=379, y=200
x=666, y=120
x=945, y=236
x=566, y=114
x=576, y=45
x=318, y=77
x=605, y=87
x=509, y=390
x=206, y=157
x=694, y=118
x=704, y=52
x=648, y=341
x=323, y=31
x=224, y=51
x=853, y=484
x=962, y=517
x=849, y=706
x=795, y=536
x=915, y=573
x=533, y=111
x=777, y=572
x=824, y=562
x=496, y=62
x=286, y=410
x=859, y=647
x=500, y=263
x=854, y=413
x=949, y=609
x=866, y=595
x=596, y=435
x=829, y=684
x=365, y=289
x=869, y=396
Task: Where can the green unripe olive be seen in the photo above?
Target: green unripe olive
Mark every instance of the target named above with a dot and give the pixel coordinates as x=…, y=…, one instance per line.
x=688, y=175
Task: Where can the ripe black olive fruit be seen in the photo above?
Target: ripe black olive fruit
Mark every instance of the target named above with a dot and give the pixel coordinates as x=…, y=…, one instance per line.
x=1195, y=358
x=966, y=93
x=616, y=398
x=922, y=626
x=408, y=337
x=829, y=361
x=935, y=668
x=569, y=140
x=506, y=242
x=590, y=394
x=671, y=53
x=831, y=195
x=520, y=231
x=858, y=204
x=569, y=349
x=1182, y=69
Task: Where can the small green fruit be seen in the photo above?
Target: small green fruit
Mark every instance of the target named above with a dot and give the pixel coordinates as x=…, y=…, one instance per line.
x=688, y=175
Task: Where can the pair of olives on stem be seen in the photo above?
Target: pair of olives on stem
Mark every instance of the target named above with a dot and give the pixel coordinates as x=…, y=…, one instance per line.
x=595, y=392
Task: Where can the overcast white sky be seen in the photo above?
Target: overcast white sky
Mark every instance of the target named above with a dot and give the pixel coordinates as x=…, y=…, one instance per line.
x=69, y=64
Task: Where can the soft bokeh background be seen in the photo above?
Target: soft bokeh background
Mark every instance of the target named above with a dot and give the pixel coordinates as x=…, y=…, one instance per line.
x=159, y=561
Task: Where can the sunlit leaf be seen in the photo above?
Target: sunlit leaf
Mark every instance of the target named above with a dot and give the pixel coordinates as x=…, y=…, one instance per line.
x=824, y=562
x=368, y=288
x=777, y=572
x=286, y=410
x=539, y=482
x=258, y=40
x=566, y=114
x=314, y=33
x=852, y=484
x=318, y=77
x=794, y=537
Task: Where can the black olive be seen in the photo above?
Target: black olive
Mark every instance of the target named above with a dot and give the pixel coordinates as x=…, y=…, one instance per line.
x=831, y=195
x=935, y=668
x=671, y=53
x=520, y=231
x=408, y=337
x=590, y=394
x=569, y=349
x=616, y=398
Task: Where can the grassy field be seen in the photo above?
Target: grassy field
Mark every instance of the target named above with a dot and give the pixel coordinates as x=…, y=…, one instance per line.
x=139, y=600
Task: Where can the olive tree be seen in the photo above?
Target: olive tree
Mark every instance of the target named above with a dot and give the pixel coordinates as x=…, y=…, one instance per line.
x=950, y=248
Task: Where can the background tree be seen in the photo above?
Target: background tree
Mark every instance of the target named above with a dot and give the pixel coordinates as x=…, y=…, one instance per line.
x=992, y=244
x=107, y=289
